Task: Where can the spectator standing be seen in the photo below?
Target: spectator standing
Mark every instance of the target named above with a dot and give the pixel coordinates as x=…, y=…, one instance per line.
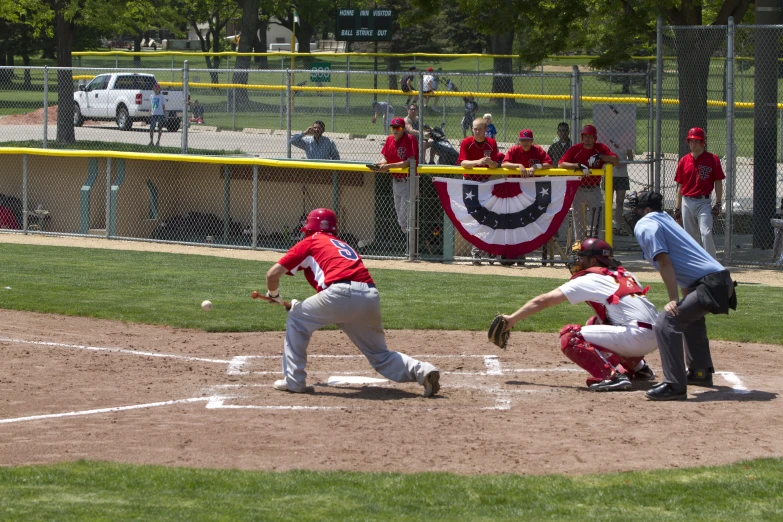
x=471, y=108
x=400, y=151
x=698, y=173
x=429, y=85
x=706, y=288
x=386, y=112
x=620, y=184
x=585, y=156
x=561, y=144
x=407, y=84
x=157, y=111
x=491, y=130
x=315, y=144
x=413, y=127
x=478, y=151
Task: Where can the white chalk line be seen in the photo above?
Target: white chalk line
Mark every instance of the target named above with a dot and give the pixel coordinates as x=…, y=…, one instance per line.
x=103, y=410
x=114, y=350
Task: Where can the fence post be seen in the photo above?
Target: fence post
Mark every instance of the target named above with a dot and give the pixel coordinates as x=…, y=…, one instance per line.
x=413, y=225
x=108, y=199
x=730, y=159
x=46, y=108
x=650, y=126
x=542, y=86
x=348, y=84
x=332, y=111
x=185, y=95
x=288, y=95
x=24, y=193
x=658, y=107
x=477, y=73
x=504, y=118
x=282, y=100
x=576, y=113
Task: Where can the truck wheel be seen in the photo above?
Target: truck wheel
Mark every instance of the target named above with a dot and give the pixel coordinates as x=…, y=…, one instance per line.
x=78, y=119
x=123, y=120
x=172, y=124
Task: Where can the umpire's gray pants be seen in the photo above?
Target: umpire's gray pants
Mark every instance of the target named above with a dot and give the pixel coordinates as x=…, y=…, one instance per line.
x=356, y=309
x=688, y=330
x=697, y=221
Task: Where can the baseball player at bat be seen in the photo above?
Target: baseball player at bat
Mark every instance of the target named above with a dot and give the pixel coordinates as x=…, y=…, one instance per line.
x=612, y=346
x=346, y=296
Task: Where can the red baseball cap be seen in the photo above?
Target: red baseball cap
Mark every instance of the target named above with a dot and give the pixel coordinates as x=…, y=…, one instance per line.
x=429, y=69
x=526, y=134
x=589, y=129
x=696, y=133
x=397, y=122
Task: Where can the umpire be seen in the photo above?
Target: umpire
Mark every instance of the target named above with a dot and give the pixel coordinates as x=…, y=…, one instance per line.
x=706, y=288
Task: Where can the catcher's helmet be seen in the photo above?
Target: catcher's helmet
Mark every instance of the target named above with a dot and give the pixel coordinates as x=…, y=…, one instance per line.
x=320, y=220
x=596, y=248
x=589, y=129
x=696, y=133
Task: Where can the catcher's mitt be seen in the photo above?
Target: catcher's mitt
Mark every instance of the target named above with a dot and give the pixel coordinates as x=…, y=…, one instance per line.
x=496, y=334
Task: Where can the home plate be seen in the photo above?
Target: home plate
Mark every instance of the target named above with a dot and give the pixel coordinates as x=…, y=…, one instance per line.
x=343, y=380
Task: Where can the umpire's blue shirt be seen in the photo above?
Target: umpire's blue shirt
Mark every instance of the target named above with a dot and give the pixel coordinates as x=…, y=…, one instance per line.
x=658, y=232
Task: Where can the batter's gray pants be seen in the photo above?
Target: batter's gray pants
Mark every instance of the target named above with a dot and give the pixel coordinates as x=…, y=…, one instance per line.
x=686, y=331
x=356, y=309
x=402, y=201
x=697, y=221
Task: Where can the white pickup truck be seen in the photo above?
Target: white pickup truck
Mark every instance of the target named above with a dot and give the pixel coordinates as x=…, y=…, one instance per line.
x=124, y=97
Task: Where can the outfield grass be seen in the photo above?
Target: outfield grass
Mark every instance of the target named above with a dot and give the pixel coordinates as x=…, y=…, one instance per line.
x=159, y=288
x=105, y=491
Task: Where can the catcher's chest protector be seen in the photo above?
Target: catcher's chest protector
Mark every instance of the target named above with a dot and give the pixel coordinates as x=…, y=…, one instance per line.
x=627, y=286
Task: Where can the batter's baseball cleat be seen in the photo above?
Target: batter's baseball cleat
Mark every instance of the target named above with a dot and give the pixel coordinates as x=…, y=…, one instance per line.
x=619, y=382
x=282, y=385
x=700, y=377
x=644, y=374
x=665, y=392
x=432, y=383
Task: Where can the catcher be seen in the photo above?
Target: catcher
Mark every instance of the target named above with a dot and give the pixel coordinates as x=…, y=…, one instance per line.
x=612, y=346
x=346, y=296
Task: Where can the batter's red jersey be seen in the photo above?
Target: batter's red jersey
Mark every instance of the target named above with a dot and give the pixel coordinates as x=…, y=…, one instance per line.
x=397, y=151
x=472, y=150
x=517, y=154
x=579, y=154
x=325, y=259
x=698, y=176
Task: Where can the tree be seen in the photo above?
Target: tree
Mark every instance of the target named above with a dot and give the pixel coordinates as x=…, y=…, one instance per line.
x=216, y=14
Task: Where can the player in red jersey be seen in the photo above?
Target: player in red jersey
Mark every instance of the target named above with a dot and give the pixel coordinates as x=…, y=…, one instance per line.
x=583, y=156
x=346, y=296
x=526, y=156
x=697, y=174
x=399, y=151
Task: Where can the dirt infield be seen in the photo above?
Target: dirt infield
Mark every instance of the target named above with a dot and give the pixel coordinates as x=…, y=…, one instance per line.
x=85, y=388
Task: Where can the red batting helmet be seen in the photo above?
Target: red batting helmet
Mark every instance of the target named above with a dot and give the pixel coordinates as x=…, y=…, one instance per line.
x=696, y=133
x=320, y=220
x=599, y=249
x=589, y=129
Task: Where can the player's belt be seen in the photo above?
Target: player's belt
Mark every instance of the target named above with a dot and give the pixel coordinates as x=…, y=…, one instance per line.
x=699, y=197
x=348, y=282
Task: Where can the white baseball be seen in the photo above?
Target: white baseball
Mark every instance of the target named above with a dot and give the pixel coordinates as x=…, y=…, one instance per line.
x=206, y=306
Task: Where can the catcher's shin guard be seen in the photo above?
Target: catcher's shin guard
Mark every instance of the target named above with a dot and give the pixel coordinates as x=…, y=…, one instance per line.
x=586, y=356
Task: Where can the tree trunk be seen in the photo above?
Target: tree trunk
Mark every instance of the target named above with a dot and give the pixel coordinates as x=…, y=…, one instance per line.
x=303, y=37
x=261, y=44
x=393, y=64
x=66, y=35
x=137, y=49
x=502, y=43
x=247, y=41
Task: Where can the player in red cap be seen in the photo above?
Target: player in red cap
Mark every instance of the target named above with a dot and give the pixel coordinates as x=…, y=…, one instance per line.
x=526, y=156
x=346, y=296
x=590, y=154
x=399, y=151
x=613, y=343
x=698, y=173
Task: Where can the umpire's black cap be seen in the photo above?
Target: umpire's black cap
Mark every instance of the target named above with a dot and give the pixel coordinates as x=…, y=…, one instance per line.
x=651, y=199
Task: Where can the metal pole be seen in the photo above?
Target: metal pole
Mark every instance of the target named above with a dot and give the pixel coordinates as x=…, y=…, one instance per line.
x=658, y=106
x=282, y=68
x=780, y=137
x=233, y=108
x=650, y=126
x=46, y=108
x=413, y=226
x=254, y=227
x=116, y=61
x=186, y=96
x=288, y=96
x=730, y=159
x=24, y=193
x=332, y=111
x=108, y=197
x=477, y=73
x=574, y=123
x=542, y=87
x=172, y=67
x=347, y=84
x=504, y=119
x=610, y=81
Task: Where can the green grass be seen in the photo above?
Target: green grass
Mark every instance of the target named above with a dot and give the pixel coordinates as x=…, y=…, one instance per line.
x=104, y=491
x=158, y=288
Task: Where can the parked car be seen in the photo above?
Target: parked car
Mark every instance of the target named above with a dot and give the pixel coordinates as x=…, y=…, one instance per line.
x=125, y=98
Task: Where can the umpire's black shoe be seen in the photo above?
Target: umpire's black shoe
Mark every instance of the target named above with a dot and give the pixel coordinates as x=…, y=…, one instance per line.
x=700, y=377
x=664, y=392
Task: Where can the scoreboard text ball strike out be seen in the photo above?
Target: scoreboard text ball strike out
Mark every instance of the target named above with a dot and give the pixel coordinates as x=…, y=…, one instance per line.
x=368, y=25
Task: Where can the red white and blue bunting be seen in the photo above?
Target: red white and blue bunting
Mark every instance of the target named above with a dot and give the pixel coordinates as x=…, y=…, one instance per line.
x=508, y=217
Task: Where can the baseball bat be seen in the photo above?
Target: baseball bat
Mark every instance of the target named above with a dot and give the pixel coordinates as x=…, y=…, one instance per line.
x=256, y=295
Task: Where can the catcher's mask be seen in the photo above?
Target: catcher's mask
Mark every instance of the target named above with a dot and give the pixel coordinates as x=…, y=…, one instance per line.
x=591, y=247
x=320, y=220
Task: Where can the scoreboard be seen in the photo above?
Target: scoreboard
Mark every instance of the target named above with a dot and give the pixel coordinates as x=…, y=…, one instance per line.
x=364, y=25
